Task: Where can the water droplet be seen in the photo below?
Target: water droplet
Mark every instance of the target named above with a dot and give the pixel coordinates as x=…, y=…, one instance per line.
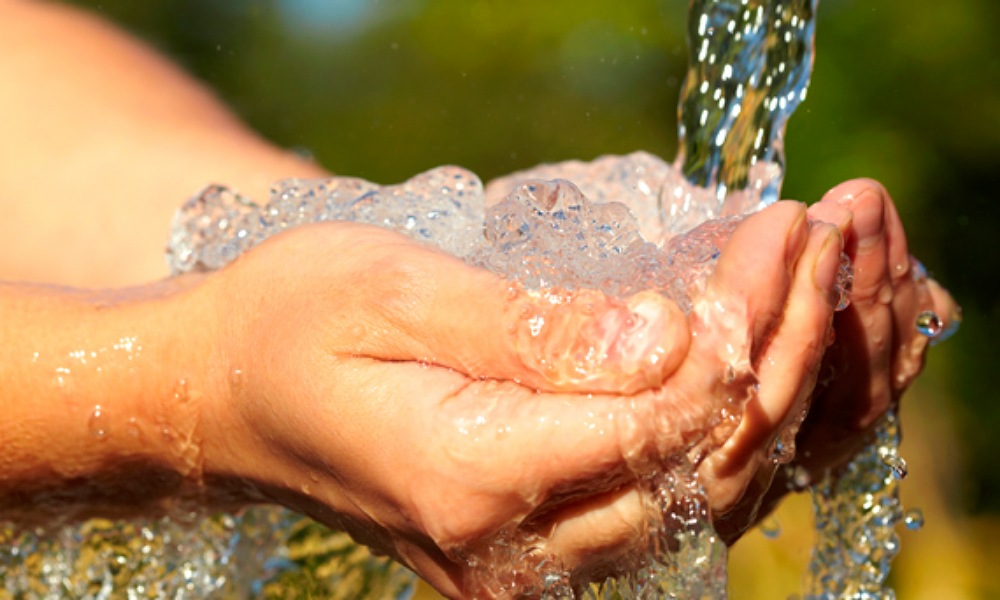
x=98, y=423
x=783, y=451
x=914, y=520
x=729, y=375
x=770, y=528
x=237, y=381
x=181, y=394
x=885, y=294
x=929, y=324
x=799, y=478
x=897, y=464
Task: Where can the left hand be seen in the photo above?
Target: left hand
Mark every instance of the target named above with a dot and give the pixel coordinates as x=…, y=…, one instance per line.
x=877, y=351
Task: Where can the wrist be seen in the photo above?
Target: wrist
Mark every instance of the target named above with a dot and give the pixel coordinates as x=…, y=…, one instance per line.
x=106, y=406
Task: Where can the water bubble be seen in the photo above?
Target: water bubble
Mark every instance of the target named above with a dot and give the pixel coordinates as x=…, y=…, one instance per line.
x=783, y=451
x=556, y=587
x=132, y=427
x=914, y=520
x=237, y=381
x=799, y=478
x=729, y=375
x=897, y=464
x=845, y=282
x=181, y=394
x=98, y=423
x=929, y=324
x=954, y=322
x=770, y=528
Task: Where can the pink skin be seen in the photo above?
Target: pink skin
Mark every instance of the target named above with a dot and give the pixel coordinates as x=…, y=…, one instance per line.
x=424, y=448
x=877, y=351
x=352, y=375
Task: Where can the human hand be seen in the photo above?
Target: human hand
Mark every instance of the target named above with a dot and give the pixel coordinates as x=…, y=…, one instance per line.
x=373, y=385
x=877, y=350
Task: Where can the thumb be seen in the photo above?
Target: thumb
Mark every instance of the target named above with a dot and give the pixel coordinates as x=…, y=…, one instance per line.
x=438, y=310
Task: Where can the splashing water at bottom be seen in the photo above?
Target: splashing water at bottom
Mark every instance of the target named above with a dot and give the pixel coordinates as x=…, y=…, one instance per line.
x=856, y=518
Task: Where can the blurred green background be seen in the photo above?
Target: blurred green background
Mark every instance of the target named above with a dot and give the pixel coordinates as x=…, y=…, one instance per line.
x=905, y=92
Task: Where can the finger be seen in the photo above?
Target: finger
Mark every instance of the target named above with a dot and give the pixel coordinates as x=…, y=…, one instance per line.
x=599, y=536
x=786, y=371
x=867, y=327
x=733, y=318
x=412, y=302
x=587, y=341
x=855, y=381
x=911, y=305
x=830, y=211
x=747, y=291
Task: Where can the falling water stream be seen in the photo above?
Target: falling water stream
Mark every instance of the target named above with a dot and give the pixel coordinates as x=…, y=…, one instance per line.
x=637, y=223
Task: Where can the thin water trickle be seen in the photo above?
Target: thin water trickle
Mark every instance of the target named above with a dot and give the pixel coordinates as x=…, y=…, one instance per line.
x=856, y=516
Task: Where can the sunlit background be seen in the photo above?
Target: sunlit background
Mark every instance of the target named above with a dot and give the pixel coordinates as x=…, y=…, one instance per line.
x=906, y=92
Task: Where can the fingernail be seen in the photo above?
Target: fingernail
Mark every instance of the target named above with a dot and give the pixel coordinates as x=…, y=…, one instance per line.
x=828, y=262
x=798, y=233
x=833, y=214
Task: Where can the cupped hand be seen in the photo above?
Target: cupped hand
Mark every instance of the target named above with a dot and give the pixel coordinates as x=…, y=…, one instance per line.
x=425, y=406
x=877, y=351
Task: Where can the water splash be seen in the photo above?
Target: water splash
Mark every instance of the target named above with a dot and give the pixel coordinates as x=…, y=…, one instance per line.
x=260, y=553
x=749, y=63
x=749, y=68
x=856, y=517
x=929, y=324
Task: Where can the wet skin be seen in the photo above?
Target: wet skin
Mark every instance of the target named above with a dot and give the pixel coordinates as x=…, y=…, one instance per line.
x=876, y=353
x=348, y=390
x=341, y=370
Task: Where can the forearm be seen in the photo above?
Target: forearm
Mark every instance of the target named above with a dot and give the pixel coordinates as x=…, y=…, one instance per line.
x=101, y=141
x=102, y=399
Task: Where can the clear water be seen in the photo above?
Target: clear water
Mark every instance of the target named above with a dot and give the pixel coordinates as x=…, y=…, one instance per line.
x=262, y=552
x=749, y=63
x=856, y=518
x=610, y=224
x=545, y=233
